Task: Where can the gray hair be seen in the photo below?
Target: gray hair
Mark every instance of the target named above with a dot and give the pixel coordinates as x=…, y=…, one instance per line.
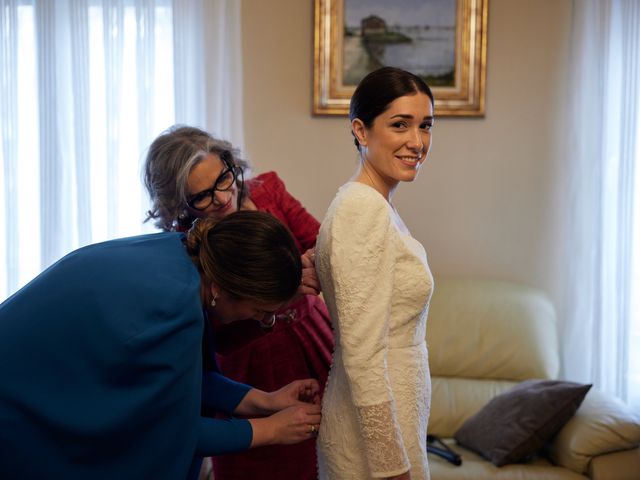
x=170, y=158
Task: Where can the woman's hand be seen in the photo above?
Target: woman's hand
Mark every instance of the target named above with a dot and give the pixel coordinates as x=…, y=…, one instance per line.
x=298, y=392
x=310, y=284
x=291, y=425
x=295, y=393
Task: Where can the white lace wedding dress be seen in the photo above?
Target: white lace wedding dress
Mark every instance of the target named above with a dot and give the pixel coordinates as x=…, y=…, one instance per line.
x=377, y=285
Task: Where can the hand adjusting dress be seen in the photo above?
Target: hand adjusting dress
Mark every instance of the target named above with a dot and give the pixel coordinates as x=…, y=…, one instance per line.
x=377, y=286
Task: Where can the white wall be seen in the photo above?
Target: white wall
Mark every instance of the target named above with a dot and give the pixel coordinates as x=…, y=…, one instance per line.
x=487, y=202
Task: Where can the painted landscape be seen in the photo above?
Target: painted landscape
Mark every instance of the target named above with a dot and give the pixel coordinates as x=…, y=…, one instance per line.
x=416, y=35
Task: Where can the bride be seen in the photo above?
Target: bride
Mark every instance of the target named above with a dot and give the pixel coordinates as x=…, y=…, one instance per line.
x=377, y=285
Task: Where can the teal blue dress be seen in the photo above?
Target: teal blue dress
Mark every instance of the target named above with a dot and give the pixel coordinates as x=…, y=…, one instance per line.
x=101, y=369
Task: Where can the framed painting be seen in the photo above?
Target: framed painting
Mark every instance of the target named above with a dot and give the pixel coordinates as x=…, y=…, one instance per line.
x=442, y=41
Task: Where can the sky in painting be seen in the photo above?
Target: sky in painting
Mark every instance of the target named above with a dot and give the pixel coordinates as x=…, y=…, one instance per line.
x=402, y=12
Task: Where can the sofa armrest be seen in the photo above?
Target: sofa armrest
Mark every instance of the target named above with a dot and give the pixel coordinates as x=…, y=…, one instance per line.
x=601, y=425
x=623, y=465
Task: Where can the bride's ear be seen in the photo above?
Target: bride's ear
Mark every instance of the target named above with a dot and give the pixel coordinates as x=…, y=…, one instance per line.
x=359, y=131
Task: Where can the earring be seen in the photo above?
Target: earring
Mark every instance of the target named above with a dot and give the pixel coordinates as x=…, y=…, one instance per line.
x=213, y=300
x=270, y=323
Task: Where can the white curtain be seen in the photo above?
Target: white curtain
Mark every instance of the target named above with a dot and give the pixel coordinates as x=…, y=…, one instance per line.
x=85, y=86
x=601, y=327
x=208, y=65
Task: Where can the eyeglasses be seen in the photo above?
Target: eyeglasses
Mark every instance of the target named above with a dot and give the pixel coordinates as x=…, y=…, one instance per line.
x=225, y=181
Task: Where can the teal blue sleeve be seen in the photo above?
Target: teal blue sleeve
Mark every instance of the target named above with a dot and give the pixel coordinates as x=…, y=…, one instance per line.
x=217, y=437
x=221, y=393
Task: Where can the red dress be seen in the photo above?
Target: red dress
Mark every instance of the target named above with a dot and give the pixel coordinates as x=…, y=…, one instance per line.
x=299, y=346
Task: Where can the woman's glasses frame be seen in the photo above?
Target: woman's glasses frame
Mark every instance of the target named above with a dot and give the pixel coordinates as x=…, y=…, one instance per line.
x=229, y=167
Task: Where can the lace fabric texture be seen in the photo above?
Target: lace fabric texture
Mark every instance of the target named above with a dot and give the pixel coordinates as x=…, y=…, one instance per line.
x=382, y=440
x=377, y=286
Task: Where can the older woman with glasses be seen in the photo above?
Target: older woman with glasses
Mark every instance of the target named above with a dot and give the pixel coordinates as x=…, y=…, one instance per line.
x=189, y=174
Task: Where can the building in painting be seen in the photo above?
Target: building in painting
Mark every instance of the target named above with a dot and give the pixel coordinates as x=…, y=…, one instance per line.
x=373, y=25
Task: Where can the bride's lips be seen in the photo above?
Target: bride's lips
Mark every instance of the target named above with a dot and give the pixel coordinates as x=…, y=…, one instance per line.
x=409, y=160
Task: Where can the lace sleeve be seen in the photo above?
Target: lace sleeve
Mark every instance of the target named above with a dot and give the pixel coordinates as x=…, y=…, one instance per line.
x=381, y=435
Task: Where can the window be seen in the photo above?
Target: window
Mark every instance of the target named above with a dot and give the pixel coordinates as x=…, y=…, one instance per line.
x=84, y=89
x=634, y=316
x=601, y=304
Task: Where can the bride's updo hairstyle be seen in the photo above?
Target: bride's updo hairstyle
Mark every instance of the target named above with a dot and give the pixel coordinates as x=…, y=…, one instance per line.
x=378, y=89
x=248, y=254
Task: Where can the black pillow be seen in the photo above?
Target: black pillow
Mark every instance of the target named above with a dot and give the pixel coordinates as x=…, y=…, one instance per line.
x=517, y=423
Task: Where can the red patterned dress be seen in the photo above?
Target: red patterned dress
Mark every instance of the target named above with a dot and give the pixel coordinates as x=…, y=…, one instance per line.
x=299, y=346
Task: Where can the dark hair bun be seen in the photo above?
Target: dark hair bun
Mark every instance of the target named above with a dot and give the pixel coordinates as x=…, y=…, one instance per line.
x=249, y=255
x=198, y=234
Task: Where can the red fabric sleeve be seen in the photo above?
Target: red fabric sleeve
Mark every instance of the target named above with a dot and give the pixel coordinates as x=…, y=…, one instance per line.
x=269, y=194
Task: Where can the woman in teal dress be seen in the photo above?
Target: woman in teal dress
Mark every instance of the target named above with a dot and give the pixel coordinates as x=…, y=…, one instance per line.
x=101, y=355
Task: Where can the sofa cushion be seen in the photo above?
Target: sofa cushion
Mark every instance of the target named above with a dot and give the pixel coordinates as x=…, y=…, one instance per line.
x=474, y=467
x=517, y=423
x=455, y=400
x=491, y=329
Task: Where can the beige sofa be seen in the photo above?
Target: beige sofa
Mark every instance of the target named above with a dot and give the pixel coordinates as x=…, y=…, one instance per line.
x=485, y=337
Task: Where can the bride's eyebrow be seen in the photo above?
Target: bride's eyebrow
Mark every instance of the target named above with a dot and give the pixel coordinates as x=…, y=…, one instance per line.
x=406, y=116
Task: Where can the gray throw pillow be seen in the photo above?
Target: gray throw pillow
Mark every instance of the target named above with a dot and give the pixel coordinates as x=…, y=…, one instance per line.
x=518, y=423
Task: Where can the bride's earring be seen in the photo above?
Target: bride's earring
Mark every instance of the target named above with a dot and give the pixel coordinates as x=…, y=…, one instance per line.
x=213, y=300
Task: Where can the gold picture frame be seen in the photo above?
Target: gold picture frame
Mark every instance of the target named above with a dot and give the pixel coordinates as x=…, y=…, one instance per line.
x=462, y=88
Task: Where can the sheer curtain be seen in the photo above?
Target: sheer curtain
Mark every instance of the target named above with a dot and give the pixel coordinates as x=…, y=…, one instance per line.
x=85, y=86
x=601, y=313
